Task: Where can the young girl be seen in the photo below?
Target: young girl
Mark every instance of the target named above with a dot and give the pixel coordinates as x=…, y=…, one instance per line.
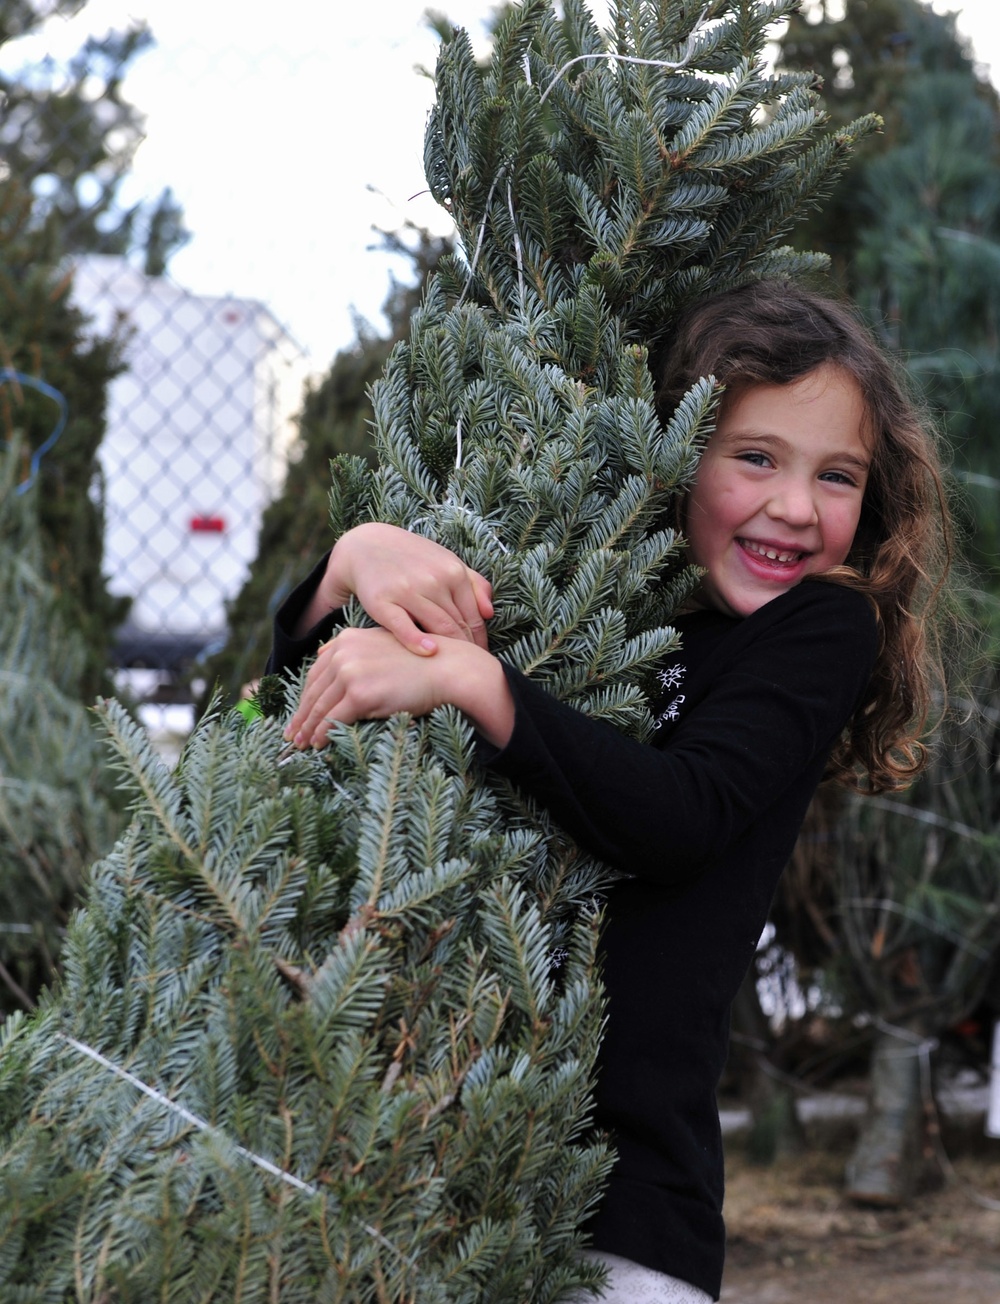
x=818, y=470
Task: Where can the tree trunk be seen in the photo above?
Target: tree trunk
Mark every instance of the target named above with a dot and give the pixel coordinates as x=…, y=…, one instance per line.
x=775, y=1130
x=885, y=1164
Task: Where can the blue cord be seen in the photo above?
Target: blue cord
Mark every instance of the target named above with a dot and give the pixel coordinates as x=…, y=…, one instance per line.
x=6, y=377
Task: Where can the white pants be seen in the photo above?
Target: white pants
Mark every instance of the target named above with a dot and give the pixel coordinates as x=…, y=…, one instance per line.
x=631, y=1283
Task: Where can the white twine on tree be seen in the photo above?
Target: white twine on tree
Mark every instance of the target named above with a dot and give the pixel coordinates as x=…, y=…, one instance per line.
x=204, y=1126
x=200, y=1123
x=517, y=247
x=479, y=239
x=451, y=506
x=669, y=65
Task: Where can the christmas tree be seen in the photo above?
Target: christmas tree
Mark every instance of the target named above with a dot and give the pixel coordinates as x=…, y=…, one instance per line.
x=328, y=1021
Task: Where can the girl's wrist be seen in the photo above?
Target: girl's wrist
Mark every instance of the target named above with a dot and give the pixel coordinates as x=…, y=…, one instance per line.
x=473, y=680
x=337, y=586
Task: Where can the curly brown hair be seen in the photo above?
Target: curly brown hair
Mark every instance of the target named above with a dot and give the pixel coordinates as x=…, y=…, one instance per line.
x=775, y=332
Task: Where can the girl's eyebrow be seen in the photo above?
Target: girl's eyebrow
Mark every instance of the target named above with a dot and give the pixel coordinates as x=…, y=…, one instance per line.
x=764, y=438
x=849, y=459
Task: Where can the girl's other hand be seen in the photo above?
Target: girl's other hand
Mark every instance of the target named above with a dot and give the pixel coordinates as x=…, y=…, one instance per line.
x=409, y=585
x=367, y=674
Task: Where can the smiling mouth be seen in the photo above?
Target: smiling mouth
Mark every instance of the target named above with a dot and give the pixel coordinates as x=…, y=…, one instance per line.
x=782, y=557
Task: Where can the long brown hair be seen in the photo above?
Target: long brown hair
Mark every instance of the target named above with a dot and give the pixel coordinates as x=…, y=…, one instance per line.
x=774, y=332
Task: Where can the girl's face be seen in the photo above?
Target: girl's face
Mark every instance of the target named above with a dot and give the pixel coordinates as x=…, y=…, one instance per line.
x=779, y=487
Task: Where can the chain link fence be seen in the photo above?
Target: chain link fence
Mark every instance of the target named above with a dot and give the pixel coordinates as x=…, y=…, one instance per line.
x=199, y=425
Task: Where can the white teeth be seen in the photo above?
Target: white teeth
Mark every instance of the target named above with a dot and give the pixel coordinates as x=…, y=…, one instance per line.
x=771, y=554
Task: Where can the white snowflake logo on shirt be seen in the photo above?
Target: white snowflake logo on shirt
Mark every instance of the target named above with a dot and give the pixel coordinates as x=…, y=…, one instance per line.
x=669, y=679
x=672, y=677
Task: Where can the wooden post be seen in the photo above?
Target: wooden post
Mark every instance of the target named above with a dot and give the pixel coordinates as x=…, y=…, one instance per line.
x=993, y=1111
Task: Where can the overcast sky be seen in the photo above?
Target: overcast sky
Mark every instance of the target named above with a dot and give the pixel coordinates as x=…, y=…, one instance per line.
x=286, y=130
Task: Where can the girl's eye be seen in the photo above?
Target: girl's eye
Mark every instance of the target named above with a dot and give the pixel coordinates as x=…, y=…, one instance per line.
x=755, y=459
x=838, y=477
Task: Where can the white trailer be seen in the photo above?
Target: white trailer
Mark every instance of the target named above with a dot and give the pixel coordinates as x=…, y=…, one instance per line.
x=198, y=431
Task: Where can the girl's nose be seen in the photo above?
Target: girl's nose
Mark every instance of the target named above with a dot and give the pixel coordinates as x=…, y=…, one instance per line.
x=793, y=502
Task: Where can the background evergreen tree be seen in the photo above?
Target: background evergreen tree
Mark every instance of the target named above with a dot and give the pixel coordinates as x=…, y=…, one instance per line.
x=914, y=233
x=869, y=56
x=43, y=338
x=55, y=817
x=328, y=1021
x=919, y=922
x=928, y=270
x=69, y=137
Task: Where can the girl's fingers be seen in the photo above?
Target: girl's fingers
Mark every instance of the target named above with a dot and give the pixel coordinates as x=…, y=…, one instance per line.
x=302, y=725
x=415, y=638
x=411, y=586
x=316, y=731
x=483, y=590
x=459, y=610
x=317, y=714
x=319, y=694
x=415, y=625
x=362, y=674
x=475, y=608
x=446, y=615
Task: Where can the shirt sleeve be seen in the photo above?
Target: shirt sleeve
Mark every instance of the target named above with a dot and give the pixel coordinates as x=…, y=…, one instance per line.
x=773, y=698
x=289, y=653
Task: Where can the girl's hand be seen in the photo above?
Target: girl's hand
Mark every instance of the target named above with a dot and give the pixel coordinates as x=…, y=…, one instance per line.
x=407, y=584
x=367, y=674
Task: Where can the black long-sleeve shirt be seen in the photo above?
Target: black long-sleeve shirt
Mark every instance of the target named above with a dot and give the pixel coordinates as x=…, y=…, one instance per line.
x=704, y=818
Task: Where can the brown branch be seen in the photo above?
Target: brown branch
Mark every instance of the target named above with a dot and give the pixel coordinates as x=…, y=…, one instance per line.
x=8, y=978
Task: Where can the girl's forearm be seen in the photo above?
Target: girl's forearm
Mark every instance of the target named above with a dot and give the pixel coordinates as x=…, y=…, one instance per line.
x=317, y=609
x=326, y=597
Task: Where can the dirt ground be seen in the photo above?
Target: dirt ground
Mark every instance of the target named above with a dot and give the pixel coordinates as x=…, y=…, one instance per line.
x=794, y=1239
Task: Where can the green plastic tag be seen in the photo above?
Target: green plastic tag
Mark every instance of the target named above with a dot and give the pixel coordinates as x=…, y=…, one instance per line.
x=249, y=709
